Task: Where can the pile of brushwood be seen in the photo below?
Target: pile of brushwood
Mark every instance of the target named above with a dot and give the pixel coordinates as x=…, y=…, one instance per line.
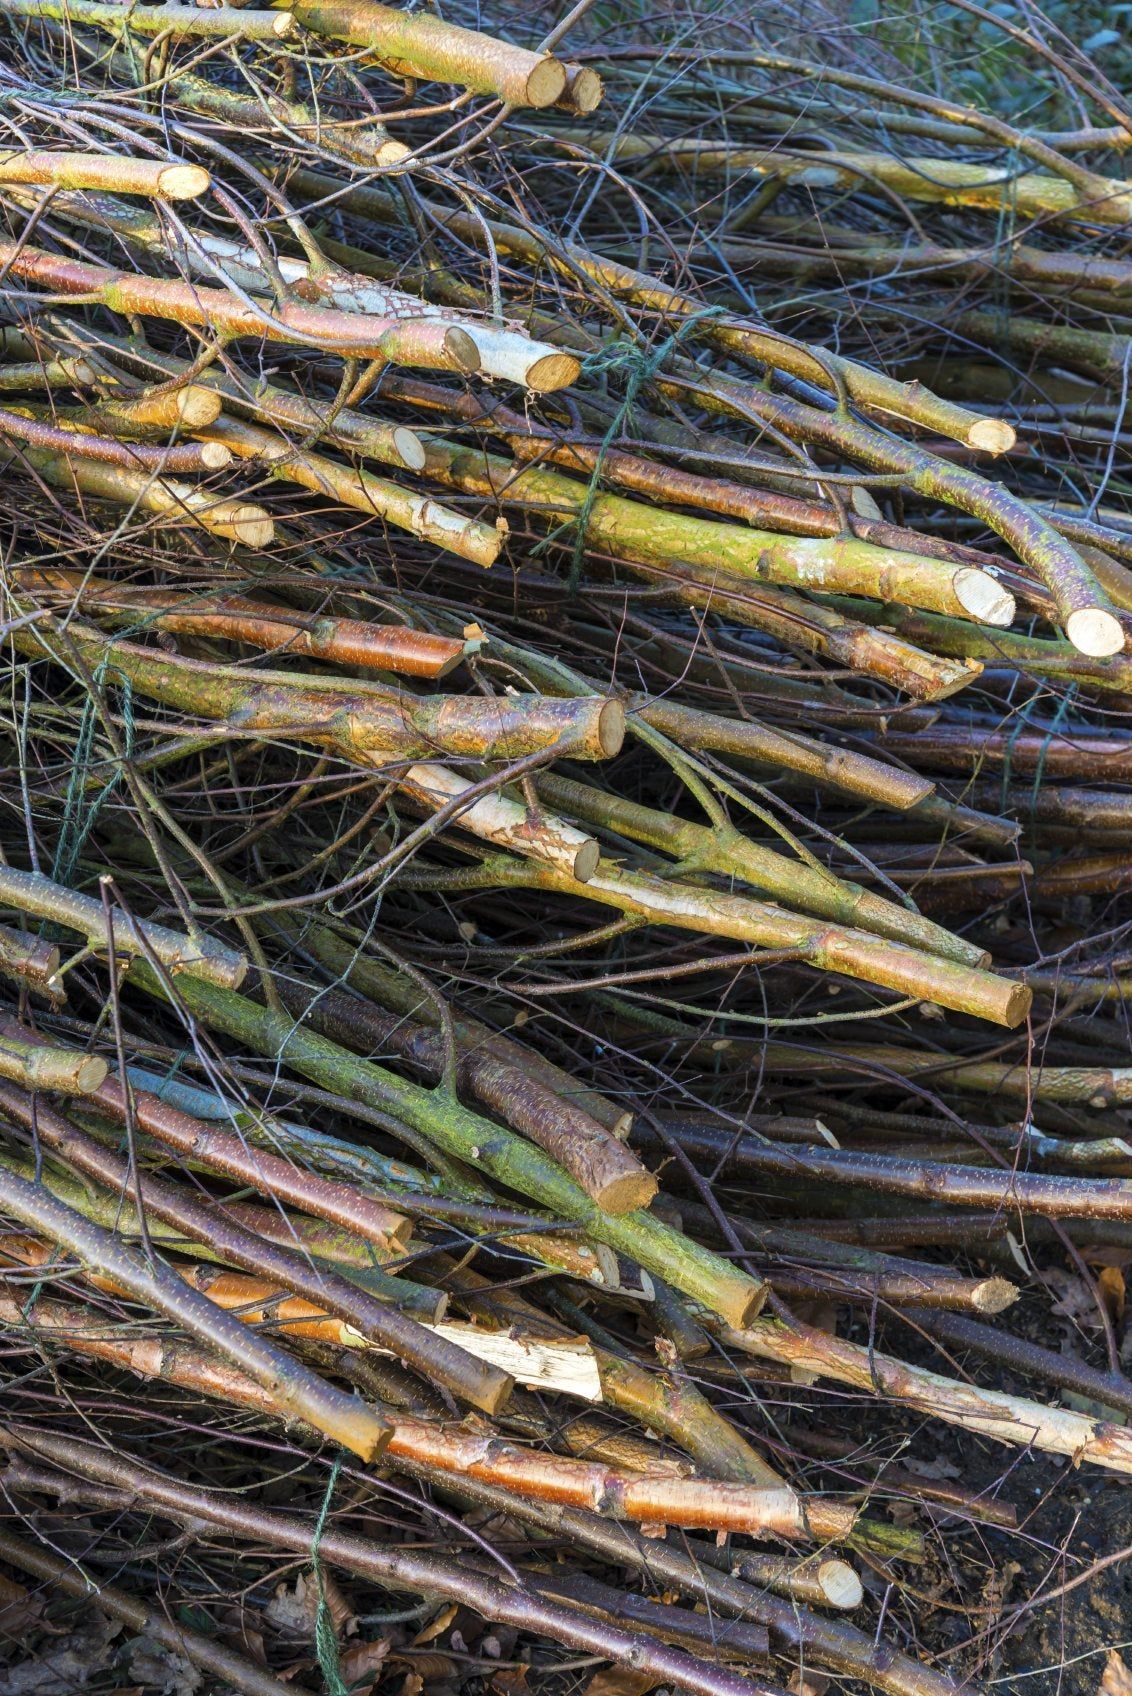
x=567, y=786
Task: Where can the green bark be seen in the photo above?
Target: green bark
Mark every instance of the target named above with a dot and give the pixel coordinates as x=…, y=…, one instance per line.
x=506, y=1158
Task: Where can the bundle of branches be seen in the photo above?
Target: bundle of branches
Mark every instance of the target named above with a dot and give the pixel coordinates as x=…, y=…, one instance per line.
x=523, y=1091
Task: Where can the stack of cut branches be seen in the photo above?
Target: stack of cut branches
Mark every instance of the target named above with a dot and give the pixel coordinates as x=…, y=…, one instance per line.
x=523, y=1090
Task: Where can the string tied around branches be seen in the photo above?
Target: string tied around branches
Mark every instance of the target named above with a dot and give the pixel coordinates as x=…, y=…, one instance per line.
x=640, y=365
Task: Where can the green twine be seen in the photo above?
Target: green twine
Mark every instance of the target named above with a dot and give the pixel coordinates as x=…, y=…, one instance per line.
x=640, y=367
x=325, y=1636
x=1059, y=718
x=79, y=814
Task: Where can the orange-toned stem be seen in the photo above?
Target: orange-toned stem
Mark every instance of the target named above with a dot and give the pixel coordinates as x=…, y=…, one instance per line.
x=764, y=508
x=431, y=344
x=28, y=959
x=133, y=456
x=150, y=1281
x=385, y=1564
x=240, y=618
x=665, y=1403
x=256, y=1301
x=504, y=350
x=606, y=1170
x=232, y=1156
x=365, y=721
x=612, y=1492
x=444, y=1362
x=730, y=556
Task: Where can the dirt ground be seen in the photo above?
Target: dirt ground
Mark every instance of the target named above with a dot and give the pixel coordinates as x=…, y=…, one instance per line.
x=1061, y=1649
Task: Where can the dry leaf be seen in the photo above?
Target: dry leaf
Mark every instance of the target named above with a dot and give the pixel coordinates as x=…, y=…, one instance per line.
x=1102, y=1255
x=438, y=1623
x=19, y=1608
x=295, y=1612
x=239, y=1628
x=295, y=1669
x=63, y=1666
x=163, y=1669
x=1116, y=1679
x=938, y=1468
x=433, y=1667
x=1076, y=1301
x=1110, y=1282
x=361, y=1665
x=510, y=1681
x=822, y=1315
x=248, y=1641
x=811, y=1684
x=621, y=1681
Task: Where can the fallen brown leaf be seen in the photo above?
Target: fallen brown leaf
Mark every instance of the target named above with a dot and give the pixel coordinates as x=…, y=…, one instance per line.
x=938, y=1468
x=295, y=1669
x=361, y=1665
x=18, y=1608
x=1110, y=1281
x=294, y=1612
x=810, y=1684
x=432, y=1668
x=163, y=1669
x=1075, y=1300
x=621, y=1681
x=510, y=1681
x=1116, y=1679
x=439, y=1622
x=62, y=1667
